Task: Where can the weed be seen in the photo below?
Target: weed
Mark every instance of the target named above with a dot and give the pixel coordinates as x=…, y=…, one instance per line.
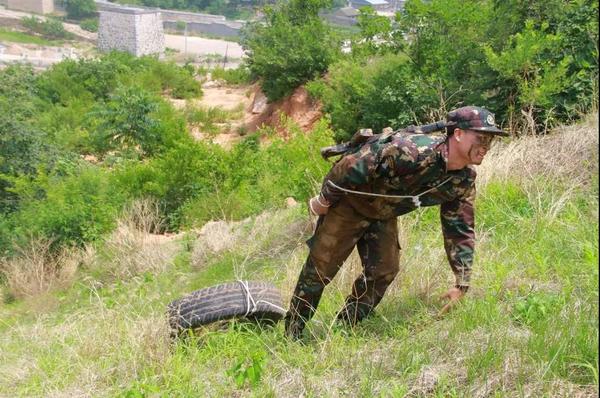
x=247, y=370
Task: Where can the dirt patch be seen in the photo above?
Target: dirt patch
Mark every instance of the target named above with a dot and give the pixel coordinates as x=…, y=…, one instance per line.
x=256, y=112
x=228, y=98
x=298, y=107
x=10, y=23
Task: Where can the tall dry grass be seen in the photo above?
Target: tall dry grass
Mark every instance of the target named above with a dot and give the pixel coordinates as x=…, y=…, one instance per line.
x=555, y=166
x=568, y=154
x=134, y=247
x=38, y=269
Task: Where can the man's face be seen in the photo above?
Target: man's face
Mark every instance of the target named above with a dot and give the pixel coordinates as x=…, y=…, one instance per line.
x=473, y=146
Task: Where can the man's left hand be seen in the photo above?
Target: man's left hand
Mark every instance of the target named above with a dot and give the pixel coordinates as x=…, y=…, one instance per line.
x=453, y=296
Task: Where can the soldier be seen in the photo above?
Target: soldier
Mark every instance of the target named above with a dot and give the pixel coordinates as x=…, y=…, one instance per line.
x=390, y=175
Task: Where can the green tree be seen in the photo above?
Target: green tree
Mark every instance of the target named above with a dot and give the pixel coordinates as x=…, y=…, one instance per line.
x=79, y=9
x=292, y=47
x=375, y=33
x=127, y=122
x=536, y=77
x=446, y=41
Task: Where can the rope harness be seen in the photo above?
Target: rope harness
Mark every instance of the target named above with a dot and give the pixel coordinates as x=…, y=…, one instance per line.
x=414, y=198
x=251, y=304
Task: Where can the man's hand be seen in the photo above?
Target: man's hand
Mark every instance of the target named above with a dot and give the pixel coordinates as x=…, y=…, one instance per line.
x=453, y=296
x=318, y=206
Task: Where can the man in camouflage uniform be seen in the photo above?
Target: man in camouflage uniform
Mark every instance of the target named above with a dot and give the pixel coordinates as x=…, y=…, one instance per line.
x=390, y=175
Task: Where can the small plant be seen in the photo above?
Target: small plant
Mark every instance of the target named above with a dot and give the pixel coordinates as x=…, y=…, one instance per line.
x=535, y=307
x=90, y=24
x=247, y=370
x=49, y=28
x=238, y=76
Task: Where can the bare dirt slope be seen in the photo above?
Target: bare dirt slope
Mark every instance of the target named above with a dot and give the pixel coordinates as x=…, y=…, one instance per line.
x=252, y=111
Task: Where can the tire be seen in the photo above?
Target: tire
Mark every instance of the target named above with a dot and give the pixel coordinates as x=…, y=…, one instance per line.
x=225, y=301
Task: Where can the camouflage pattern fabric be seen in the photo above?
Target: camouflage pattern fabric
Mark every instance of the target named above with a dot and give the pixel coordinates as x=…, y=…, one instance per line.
x=335, y=237
x=475, y=118
x=392, y=164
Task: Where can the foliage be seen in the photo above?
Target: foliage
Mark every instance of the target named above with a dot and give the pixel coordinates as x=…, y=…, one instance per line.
x=95, y=79
x=73, y=209
x=383, y=92
x=248, y=370
x=255, y=177
x=49, y=28
x=93, y=108
x=292, y=47
x=80, y=9
x=533, y=63
x=125, y=121
x=89, y=24
x=238, y=76
x=535, y=307
x=375, y=33
x=232, y=9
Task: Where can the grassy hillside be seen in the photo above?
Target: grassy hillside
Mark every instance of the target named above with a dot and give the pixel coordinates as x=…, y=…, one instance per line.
x=94, y=324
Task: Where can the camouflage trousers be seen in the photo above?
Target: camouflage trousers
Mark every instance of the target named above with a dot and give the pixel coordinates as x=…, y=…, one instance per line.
x=336, y=235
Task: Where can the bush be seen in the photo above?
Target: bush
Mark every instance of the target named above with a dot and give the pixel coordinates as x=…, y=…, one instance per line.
x=293, y=47
x=238, y=76
x=78, y=9
x=188, y=170
x=383, y=92
x=90, y=24
x=256, y=178
x=74, y=209
x=49, y=28
x=134, y=122
x=96, y=79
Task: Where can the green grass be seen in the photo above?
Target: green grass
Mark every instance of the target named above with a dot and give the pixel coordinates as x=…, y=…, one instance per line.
x=20, y=37
x=529, y=325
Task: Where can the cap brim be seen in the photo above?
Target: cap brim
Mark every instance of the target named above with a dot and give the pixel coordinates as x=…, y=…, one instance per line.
x=490, y=129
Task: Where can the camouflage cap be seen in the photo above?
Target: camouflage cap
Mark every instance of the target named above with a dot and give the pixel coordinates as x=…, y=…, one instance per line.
x=474, y=118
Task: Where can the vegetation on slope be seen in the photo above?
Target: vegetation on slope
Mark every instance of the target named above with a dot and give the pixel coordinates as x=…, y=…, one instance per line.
x=528, y=327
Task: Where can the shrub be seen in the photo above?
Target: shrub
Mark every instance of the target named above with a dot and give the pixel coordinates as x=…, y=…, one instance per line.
x=78, y=9
x=90, y=24
x=185, y=171
x=384, y=92
x=69, y=210
x=291, y=48
x=50, y=28
x=255, y=177
x=134, y=121
x=238, y=76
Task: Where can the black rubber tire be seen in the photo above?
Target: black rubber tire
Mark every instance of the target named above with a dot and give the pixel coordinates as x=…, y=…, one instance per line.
x=222, y=302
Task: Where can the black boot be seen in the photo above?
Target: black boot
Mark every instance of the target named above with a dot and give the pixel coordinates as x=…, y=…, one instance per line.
x=294, y=326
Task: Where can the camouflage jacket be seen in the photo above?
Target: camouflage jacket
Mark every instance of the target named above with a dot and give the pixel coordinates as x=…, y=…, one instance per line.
x=410, y=164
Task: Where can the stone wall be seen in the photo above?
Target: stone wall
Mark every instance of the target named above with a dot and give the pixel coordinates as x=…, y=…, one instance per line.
x=35, y=6
x=136, y=31
x=201, y=23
